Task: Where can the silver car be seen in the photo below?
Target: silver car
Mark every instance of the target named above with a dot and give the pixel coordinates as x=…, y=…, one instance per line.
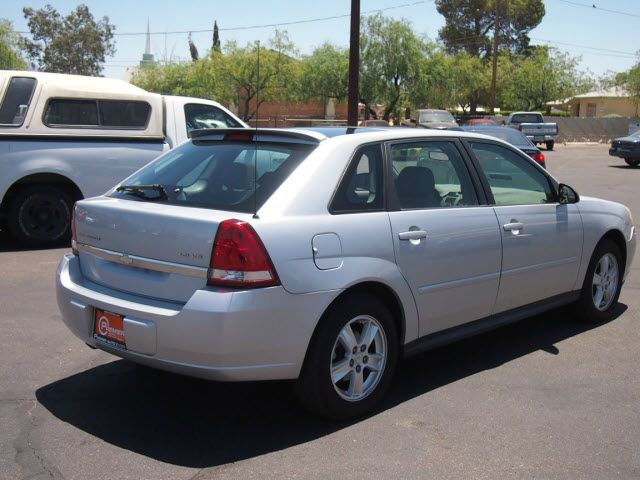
x=326, y=255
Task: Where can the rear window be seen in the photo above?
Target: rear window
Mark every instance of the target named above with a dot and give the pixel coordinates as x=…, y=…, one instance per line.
x=436, y=117
x=67, y=112
x=16, y=101
x=527, y=118
x=510, y=135
x=232, y=176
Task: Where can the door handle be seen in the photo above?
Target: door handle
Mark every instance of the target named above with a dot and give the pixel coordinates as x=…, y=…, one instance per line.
x=513, y=227
x=412, y=235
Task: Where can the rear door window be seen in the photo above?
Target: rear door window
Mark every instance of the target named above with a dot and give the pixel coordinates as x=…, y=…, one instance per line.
x=16, y=101
x=361, y=189
x=236, y=176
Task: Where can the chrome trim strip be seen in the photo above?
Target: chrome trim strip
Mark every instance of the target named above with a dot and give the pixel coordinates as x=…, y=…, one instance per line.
x=146, y=263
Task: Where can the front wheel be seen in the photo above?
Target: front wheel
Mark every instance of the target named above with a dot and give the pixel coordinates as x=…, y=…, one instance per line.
x=351, y=359
x=602, y=283
x=549, y=144
x=632, y=162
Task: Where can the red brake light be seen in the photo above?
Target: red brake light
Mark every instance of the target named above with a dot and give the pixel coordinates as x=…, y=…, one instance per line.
x=538, y=157
x=239, y=136
x=74, y=236
x=239, y=259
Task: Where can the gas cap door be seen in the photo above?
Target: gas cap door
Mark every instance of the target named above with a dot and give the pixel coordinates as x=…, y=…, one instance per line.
x=327, y=251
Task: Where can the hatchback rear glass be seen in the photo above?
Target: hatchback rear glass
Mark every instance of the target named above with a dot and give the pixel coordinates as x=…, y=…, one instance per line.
x=219, y=174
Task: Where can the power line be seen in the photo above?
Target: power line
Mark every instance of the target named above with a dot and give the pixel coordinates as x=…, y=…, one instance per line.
x=593, y=6
x=603, y=50
x=267, y=25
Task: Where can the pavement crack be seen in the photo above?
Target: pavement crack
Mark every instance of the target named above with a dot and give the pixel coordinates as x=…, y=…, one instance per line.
x=28, y=456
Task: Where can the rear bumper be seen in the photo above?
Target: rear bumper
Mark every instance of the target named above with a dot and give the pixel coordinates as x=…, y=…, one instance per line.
x=229, y=335
x=541, y=138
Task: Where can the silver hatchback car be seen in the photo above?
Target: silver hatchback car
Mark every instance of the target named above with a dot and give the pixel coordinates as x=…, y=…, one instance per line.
x=326, y=255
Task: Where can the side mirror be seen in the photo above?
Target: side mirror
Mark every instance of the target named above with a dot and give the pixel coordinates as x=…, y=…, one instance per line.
x=567, y=195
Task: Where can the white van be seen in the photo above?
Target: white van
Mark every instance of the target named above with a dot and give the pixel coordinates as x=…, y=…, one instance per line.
x=67, y=137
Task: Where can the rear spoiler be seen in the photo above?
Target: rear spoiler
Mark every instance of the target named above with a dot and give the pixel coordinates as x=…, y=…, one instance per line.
x=252, y=134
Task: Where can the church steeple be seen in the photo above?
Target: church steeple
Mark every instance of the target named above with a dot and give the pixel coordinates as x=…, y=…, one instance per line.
x=147, y=56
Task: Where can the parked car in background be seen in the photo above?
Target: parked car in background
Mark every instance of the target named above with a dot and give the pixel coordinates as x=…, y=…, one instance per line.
x=532, y=124
x=326, y=255
x=514, y=137
x=67, y=137
x=430, y=118
x=481, y=122
x=628, y=148
x=374, y=123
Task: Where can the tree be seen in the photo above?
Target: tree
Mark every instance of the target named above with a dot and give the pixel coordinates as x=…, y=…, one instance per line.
x=216, y=38
x=74, y=44
x=279, y=73
x=10, y=51
x=389, y=61
x=325, y=73
x=193, y=50
x=469, y=23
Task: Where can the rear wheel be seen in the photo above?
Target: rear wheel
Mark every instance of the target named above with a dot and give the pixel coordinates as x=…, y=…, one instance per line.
x=549, y=144
x=632, y=162
x=601, y=288
x=40, y=215
x=351, y=359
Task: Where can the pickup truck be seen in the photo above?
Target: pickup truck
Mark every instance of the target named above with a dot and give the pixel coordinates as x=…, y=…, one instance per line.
x=68, y=137
x=532, y=124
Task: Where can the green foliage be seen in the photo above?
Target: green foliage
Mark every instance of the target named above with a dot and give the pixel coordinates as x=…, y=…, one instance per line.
x=390, y=61
x=469, y=24
x=10, y=48
x=73, y=44
x=325, y=74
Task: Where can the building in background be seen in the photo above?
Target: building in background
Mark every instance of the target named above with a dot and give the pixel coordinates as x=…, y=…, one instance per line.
x=610, y=102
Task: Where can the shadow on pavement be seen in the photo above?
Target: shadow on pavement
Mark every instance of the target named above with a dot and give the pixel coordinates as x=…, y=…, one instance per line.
x=624, y=167
x=196, y=423
x=7, y=244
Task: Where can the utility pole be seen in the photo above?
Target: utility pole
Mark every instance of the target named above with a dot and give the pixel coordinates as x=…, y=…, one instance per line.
x=354, y=65
x=494, y=68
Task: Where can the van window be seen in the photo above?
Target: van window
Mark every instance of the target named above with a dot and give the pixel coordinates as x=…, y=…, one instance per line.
x=16, y=101
x=67, y=112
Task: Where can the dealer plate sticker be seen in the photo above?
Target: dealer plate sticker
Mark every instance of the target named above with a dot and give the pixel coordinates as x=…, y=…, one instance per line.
x=109, y=329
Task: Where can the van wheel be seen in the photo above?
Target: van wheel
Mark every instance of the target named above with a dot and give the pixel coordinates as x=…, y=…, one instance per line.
x=601, y=287
x=549, y=145
x=40, y=215
x=351, y=359
x=632, y=162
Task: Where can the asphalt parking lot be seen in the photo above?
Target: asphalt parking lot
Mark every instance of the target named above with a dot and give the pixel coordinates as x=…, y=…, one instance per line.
x=546, y=398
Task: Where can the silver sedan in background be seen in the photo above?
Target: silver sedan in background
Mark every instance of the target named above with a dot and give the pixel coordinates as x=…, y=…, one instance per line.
x=326, y=255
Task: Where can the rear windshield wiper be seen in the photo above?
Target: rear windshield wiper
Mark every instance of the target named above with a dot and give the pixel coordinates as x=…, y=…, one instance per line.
x=141, y=191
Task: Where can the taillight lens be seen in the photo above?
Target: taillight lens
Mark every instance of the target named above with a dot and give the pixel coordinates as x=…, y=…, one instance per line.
x=74, y=235
x=538, y=157
x=239, y=258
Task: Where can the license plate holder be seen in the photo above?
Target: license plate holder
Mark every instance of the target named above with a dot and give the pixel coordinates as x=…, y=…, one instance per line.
x=108, y=328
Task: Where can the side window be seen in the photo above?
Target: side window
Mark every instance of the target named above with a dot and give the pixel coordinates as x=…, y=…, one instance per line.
x=431, y=175
x=512, y=179
x=71, y=112
x=16, y=101
x=124, y=114
x=68, y=112
x=199, y=116
x=361, y=189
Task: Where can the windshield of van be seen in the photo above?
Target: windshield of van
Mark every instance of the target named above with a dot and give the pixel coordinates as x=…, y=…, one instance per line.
x=222, y=175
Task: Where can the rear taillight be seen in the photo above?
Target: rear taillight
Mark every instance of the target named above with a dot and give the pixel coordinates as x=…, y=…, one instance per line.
x=538, y=157
x=239, y=259
x=74, y=235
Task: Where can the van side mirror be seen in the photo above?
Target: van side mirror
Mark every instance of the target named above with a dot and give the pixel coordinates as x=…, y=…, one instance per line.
x=567, y=195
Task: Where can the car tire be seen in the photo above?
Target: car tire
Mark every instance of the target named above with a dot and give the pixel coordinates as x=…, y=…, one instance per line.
x=632, y=162
x=604, y=274
x=40, y=216
x=549, y=145
x=358, y=387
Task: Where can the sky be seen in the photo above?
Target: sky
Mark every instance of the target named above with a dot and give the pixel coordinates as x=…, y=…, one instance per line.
x=606, y=41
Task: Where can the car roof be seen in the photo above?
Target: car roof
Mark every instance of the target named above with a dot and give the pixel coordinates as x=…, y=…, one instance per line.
x=495, y=130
